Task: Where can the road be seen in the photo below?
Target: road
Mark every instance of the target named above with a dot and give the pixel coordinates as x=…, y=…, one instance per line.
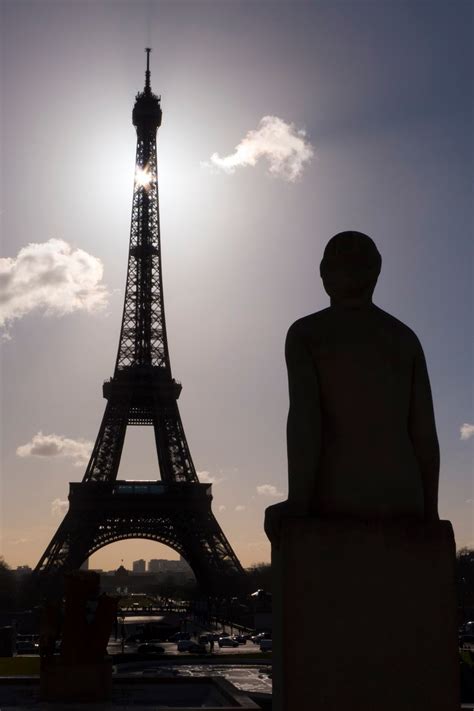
x=134, y=625
x=171, y=649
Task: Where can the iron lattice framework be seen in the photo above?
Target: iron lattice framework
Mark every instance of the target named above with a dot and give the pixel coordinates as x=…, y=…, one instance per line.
x=175, y=511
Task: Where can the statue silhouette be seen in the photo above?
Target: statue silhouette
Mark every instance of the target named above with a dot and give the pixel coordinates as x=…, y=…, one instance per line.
x=361, y=433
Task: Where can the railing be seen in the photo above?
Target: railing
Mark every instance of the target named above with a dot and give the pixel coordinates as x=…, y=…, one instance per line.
x=154, y=488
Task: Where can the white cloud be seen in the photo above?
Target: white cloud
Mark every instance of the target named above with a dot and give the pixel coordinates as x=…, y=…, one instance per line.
x=284, y=147
x=239, y=507
x=59, y=507
x=18, y=541
x=52, y=445
x=206, y=478
x=268, y=490
x=467, y=431
x=52, y=277
x=222, y=507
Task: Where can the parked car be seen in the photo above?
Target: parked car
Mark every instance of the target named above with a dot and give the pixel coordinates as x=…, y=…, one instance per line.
x=184, y=644
x=150, y=649
x=204, y=639
x=241, y=638
x=195, y=648
x=24, y=647
x=133, y=639
x=256, y=638
x=27, y=637
x=266, y=645
x=466, y=640
x=187, y=645
x=227, y=642
x=467, y=627
x=177, y=636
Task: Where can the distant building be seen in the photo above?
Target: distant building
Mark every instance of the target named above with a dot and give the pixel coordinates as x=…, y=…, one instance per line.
x=162, y=565
x=139, y=566
x=170, y=567
x=154, y=566
x=125, y=582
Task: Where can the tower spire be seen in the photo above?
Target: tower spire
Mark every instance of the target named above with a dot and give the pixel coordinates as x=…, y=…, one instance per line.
x=147, y=73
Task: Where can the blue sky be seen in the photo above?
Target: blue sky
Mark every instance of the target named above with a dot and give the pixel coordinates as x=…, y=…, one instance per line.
x=383, y=91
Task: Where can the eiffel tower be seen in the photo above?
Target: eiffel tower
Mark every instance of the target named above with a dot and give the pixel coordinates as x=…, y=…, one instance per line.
x=176, y=509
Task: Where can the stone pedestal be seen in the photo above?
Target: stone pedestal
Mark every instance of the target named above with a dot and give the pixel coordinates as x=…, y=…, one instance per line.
x=80, y=682
x=365, y=617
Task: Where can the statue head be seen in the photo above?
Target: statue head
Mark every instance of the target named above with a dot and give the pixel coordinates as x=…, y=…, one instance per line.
x=350, y=268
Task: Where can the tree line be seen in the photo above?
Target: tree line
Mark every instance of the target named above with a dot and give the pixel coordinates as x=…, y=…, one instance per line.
x=15, y=593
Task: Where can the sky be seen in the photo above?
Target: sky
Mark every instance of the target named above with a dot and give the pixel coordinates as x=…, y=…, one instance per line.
x=283, y=124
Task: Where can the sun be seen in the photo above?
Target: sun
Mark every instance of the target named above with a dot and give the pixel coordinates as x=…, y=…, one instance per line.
x=143, y=177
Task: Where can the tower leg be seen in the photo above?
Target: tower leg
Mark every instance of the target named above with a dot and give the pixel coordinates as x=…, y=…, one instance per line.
x=174, y=457
x=105, y=459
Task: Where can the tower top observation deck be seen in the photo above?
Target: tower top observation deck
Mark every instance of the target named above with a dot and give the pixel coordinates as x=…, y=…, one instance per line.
x=146, y=115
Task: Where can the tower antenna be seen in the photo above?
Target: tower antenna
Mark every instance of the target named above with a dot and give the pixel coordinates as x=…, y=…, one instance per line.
x=147, y=73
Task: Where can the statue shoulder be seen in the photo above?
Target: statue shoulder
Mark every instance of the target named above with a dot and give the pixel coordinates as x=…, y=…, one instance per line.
x=301, y=337
x=304, y=327
x=397, y=329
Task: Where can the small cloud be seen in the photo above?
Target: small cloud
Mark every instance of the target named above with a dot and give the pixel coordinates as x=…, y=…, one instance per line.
x=18, y=541
x=52, y=445
x=239, y=507
x=52, y=277
x=268, y=490
x=467, y=431
x=283, y=146
x=222, y=508
x=469, y=501
x=59, y=507
x=206, y=478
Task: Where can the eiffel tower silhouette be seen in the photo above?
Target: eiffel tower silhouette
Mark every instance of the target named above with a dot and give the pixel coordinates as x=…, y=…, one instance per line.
x=176, y=509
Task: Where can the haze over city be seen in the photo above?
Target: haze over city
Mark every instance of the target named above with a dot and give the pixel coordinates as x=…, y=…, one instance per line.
x=283, y=124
